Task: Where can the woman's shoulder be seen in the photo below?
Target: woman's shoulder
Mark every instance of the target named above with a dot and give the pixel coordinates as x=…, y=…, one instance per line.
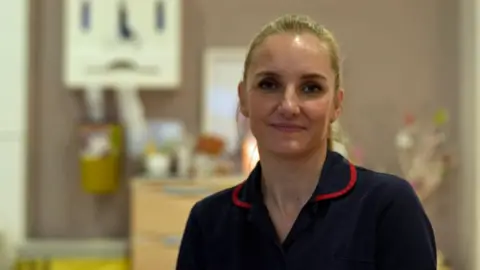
x=386, y=188
x=386, y=180
x=214, y=205
x=216, y=199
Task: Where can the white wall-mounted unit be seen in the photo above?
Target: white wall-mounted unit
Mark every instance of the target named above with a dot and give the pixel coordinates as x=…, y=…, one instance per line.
x=122, y=42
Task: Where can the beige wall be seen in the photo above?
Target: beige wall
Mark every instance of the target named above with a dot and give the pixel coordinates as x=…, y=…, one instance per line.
x=399, y=56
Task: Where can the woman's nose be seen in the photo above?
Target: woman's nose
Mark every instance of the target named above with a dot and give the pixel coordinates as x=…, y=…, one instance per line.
x=289, y=105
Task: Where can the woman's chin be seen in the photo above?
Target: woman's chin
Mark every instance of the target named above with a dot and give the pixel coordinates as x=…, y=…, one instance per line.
x=286, y=149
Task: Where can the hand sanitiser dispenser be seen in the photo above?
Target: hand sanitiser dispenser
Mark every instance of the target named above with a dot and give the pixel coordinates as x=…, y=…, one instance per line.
x=124, y=45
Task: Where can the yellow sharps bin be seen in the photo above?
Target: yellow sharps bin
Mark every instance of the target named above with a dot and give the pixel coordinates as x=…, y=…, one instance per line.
x=100, y=157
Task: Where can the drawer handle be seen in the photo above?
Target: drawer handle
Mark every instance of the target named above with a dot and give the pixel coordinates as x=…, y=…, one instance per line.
x=186, y=191
x=172, y=241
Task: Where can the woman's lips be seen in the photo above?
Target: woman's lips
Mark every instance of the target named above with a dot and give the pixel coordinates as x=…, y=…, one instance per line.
x=287, y=128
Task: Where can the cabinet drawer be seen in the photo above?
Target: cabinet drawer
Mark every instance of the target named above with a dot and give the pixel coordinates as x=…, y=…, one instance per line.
x=153, y=255
x=164, y=209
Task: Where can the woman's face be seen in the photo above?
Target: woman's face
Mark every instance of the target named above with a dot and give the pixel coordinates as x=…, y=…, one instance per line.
x=289, y=94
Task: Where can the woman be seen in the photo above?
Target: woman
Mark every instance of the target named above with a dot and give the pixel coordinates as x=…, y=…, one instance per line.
x=304, y=206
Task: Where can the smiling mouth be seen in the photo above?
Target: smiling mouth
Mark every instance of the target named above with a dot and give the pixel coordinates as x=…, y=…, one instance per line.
x=287, y=128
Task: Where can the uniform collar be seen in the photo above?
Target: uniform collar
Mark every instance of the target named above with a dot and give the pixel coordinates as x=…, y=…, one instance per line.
x=337, y=178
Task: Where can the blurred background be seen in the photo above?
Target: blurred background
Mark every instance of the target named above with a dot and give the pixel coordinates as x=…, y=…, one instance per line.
x=113, y=123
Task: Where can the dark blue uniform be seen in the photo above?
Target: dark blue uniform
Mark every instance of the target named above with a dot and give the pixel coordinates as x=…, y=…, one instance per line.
x=357, y=219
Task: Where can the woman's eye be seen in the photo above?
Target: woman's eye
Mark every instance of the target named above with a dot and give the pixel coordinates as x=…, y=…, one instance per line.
x=267, y=85
x=311, y=88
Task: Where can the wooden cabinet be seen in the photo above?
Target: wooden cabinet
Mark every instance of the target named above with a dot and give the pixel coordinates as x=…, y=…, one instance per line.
x=149, y=254
x=159, y=210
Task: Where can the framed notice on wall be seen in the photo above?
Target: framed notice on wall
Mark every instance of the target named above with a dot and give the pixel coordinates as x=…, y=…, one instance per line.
x=223, y=68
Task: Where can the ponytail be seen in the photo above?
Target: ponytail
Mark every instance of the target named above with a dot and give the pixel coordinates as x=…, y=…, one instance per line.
x=330, y=138
x=335, y=134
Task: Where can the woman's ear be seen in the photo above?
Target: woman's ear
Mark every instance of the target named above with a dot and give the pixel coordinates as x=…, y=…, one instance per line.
x=337, y=103
x=242, y=97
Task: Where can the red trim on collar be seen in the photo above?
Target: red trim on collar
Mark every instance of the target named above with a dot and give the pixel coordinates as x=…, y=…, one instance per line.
x=236, y=199
x=336, y=194
x=351, y=183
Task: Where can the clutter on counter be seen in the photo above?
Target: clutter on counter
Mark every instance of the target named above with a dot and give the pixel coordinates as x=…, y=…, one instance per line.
x=171, y=152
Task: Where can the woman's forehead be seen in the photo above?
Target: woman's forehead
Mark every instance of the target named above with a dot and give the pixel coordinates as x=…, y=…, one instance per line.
x=291, y=53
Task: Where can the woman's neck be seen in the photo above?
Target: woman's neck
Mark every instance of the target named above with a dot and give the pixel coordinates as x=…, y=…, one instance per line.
x=288, y=184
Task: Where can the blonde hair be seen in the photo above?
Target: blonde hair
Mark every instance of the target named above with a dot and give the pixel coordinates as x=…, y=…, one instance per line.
x=299, y=24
